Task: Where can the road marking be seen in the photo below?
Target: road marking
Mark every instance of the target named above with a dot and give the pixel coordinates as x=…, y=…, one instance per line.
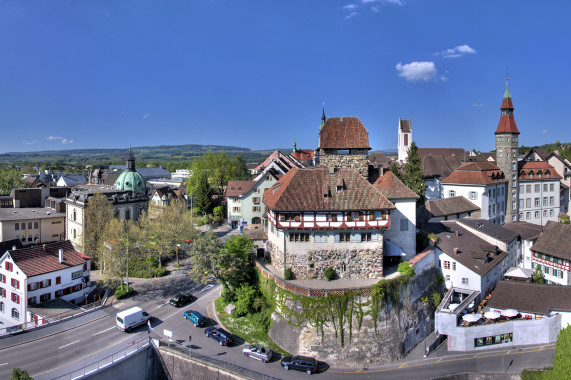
x=101, y=332
x=359, y=370
x=163, y=304
x=438, y=360
x=3, y=364
x=207, y=287
x=178, y=311
x=69, y=344
x=475, y=356
x=402, y=365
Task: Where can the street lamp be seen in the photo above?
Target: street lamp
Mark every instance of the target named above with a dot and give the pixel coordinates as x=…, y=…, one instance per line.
x=177, y=247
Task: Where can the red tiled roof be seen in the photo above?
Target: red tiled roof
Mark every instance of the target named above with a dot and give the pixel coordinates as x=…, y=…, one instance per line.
x=392, y=187
x=344, y=133
x=35, y=260
x=420, y=256
x=237, y=188
x=305, y=190
x=536, y=167
x=476, y=173
x=303, y=154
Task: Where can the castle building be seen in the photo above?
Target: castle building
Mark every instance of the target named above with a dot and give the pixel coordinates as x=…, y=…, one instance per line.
x=507, y=143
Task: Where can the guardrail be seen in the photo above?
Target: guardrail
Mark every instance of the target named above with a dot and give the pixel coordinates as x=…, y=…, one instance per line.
x=10, y=330
x=131, y=348
x=309, y=292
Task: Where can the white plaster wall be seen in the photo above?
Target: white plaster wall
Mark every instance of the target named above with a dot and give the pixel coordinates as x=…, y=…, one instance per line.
x=532, y=195
x=405, y=209
x=433, y=189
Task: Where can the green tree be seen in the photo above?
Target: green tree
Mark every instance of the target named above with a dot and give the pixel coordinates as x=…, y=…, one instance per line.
x=395, y=170
x=10, y=178
x=202, y=195
x=113, y=250
x=219, y=168
x=229, y=263
x=20, y=374
x=96, y=216
x=537, y=276
x=413, y=175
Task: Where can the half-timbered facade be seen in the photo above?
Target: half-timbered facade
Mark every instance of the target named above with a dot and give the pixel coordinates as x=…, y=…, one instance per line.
x=326, y=217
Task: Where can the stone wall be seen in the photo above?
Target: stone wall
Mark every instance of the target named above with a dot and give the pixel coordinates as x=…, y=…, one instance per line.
x=348, y=263
x=358, y=159
x=397, y=332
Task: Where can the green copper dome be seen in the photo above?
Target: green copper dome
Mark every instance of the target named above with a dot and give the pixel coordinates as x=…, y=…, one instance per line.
x=507, y=94
x=130, y=179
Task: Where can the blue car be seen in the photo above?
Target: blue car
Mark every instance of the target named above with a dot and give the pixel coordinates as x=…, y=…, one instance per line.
x=222, y=336
x=195, y=317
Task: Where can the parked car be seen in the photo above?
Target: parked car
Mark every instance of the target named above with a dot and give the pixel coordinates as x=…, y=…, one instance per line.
x=300, y=363
x=181, y=300
x=195, y=317
x=222, y=336
x=258, y=352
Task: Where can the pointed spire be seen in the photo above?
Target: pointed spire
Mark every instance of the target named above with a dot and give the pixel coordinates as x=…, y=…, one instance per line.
x=507, y=94
x=322, y=117
x=507, y=121
x=294, y=144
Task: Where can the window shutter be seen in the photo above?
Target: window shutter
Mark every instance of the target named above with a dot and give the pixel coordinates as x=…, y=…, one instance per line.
x=29, y=287
x=336, y=238
x=17, y=284
x=50, y=282
x=58, y=280
x=38, y=285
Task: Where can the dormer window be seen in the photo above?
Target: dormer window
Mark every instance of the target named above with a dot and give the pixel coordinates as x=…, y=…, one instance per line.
x=547, y=174
x=339, y=188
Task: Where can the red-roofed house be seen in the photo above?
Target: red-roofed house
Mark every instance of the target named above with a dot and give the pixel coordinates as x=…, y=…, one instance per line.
x=326, y=217
x=538, y=192
x=483, y=184
x=29, y=276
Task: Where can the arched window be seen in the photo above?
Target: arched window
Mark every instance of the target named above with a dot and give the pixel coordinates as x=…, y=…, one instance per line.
x=15, y=314
x=256, y=220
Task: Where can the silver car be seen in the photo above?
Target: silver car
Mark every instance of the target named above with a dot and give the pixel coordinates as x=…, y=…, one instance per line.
x=258, y=352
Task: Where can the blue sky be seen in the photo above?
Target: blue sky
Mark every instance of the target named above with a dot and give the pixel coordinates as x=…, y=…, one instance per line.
x=254, y=73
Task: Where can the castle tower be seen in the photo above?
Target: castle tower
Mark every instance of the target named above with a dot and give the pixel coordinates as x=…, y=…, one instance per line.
x=405, y=139
x=506, y=154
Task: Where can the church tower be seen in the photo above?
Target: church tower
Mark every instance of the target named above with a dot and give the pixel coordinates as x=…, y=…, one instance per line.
x=405, y=139
x=507, y=144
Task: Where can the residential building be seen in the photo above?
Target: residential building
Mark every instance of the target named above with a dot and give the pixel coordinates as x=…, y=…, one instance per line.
x=33, y=275
x=437, y=164
x=161, y=197
x=327, y=217
x=483, y=184
x=442, y=209
x=538, y=192
x=245, y=199
x=32, y=225
x=551, y=252
x=70, y=179
x=528, y=234
x=402, y=232
x=507, y=142
x=563, y=167
x=473, y=253
x=278, y=161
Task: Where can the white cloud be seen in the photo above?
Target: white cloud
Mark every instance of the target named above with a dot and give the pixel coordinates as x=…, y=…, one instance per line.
x=544, y=131
x=146, y=115
x=417, y=71
x=477, y=105
x=396, y=2
x=63, y=140
x=350, y=6
x=54, y=138
x=28, y=142
x=456, y=52
x=66, y=141
x=351, y=14
x=375, y=8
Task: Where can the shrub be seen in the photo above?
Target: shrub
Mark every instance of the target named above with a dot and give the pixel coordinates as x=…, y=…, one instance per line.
x=122, y=293
x=288, y=274
x=329, y=273
x=439, y=279
x=434, y=237
x=263, y=318
x=436, y=298
x=424, y=299
x=268, y=259
x=228, y=296
x=160, y=272
x=246, y=295
x=406, y=269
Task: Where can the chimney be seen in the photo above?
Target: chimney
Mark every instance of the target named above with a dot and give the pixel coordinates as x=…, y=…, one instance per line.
x=455, y=251
x=13, y=248
x=60, y=251
x=44, y=247
x=457, y=234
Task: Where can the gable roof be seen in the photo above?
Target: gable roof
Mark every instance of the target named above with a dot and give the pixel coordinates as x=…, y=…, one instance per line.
x=527, y=168
x=526, y=230
x=542, y=153
x=393, y=188
x=439, y=166
x=491, y=229
x=445, y=207
x=346, y=132
x=530, y=297
x=554, y=240
x=474, y=253
x=316, y=190
x=34, y=261
x=476, y=173
x=237, y=188
x=9, y=244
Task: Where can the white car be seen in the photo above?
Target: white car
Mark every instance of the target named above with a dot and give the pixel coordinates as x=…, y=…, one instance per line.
x=258, y=352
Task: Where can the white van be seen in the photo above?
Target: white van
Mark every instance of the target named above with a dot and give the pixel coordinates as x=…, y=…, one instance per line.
x=131, y=318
